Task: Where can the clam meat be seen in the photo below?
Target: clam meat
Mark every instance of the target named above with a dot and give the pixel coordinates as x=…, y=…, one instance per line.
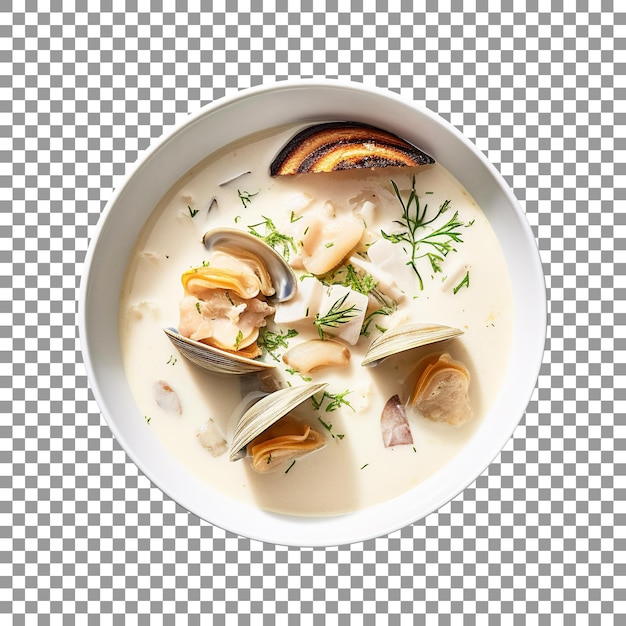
x=441, y=393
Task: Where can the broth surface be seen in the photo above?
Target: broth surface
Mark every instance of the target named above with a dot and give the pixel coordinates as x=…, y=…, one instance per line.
x=232, y=188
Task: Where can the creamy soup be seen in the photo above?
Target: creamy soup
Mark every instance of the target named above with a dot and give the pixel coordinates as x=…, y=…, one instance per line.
x=468, y=287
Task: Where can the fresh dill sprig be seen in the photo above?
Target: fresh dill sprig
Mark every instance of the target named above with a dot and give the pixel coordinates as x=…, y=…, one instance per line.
x=335, y=400
x=436, y=244
x=270, y=341
x=335, y=316
x=282, y=243
x=386, y=309
x=192, y=212
x=246, y=197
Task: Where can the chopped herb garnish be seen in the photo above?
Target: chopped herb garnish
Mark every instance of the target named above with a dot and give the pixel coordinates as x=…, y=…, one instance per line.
x=306, y=230
x=292, y=464
x=307, y=312
x=293, y=217
x=279, y=241
x=198, y=308
x=270, y=341
x=205, y=264
x=246, y=197
x=335, y=401
x=329, y=428
x=306, y=275
x=306, y=379
x=192, y=212
x=364, y=466
x=380, y=328
x=172, y=360
x=437, y=243
x=330, y=244
x=335, y=316
x=269, y=458
x=238, y=340
x=464, y=283
x=148, y=419
x=237, y=218
x=414, y=450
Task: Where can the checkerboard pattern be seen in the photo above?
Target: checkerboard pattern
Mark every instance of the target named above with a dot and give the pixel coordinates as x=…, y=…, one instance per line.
x=539, y=538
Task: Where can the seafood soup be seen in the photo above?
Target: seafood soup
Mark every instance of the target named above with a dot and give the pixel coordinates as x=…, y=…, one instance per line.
x=396, y=341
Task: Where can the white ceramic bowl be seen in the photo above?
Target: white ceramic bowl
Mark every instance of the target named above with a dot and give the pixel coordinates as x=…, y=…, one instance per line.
x=233, y=118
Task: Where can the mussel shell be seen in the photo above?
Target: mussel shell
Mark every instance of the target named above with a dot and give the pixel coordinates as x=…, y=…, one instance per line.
x=406, y=337
x=214, y=359
x=268, y=410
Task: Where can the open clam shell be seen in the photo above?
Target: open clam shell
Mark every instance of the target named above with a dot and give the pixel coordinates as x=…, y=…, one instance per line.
x=260, y=416
x=214, y=359
x=231, y=240
x=407, y=337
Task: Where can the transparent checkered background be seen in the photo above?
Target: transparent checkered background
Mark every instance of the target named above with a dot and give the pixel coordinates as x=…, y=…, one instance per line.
x=539, y=538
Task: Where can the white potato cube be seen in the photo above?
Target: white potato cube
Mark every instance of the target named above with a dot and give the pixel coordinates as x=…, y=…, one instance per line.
x=336, y=299
x=304, y=305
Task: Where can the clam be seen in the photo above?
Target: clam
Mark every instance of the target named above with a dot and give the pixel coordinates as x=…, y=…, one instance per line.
x=266, y=412
x=252, y=249
x=266, y=272
x=214, y=359
x=406, y=337
x=441, y=393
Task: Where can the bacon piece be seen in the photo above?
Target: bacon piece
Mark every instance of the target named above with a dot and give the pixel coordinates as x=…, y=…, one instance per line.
x=394, y=424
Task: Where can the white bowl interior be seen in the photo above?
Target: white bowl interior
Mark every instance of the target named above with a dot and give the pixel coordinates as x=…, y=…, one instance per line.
x=234, y=118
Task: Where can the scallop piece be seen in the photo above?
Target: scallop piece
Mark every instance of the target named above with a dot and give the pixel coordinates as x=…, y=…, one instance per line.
x=211, y=438
x=166, y=397
x=441, y=393
x=286, y=440
x=332, y=146
x=315, y=354
x=328, y=241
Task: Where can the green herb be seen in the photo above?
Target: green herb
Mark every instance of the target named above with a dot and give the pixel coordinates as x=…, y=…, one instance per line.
x=306, y=379
x=364, y=466
x=292, y=464
x=172, y=360
x=293, y=217
x=436, y=243
x=306, y=275
x=205, y=264
x=463, y=283
x=269, y=458
x=470, y=223
x=238, y=340
x=380, y=328
x=148, y=419
x=307, y=312
x=335, y=316
x=237, y=218
x=192, y=212
x=429, y=193
x=246, y=197
x=335, y=401
x=273, y=238
x=330, y=244
x=414, y=450
x=388, y=309
x=306, y=230
x=329, y=428
x=198, y=308
x=228, y=296
x=270, y=341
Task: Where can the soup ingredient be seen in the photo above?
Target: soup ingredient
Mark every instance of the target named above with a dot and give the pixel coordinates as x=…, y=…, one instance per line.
x=166, y=397
x=221, y=307
x=394, y=424
x=271, y=342
x=326, y=242
x=286, y=440
x=437, y=243
x=345, y=145
x=342, y=312
x=273, y=237
x=441, y=393
x=315, y=354
x=211, y=438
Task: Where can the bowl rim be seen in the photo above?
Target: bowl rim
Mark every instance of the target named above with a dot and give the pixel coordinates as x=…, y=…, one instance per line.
x=324, y=531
